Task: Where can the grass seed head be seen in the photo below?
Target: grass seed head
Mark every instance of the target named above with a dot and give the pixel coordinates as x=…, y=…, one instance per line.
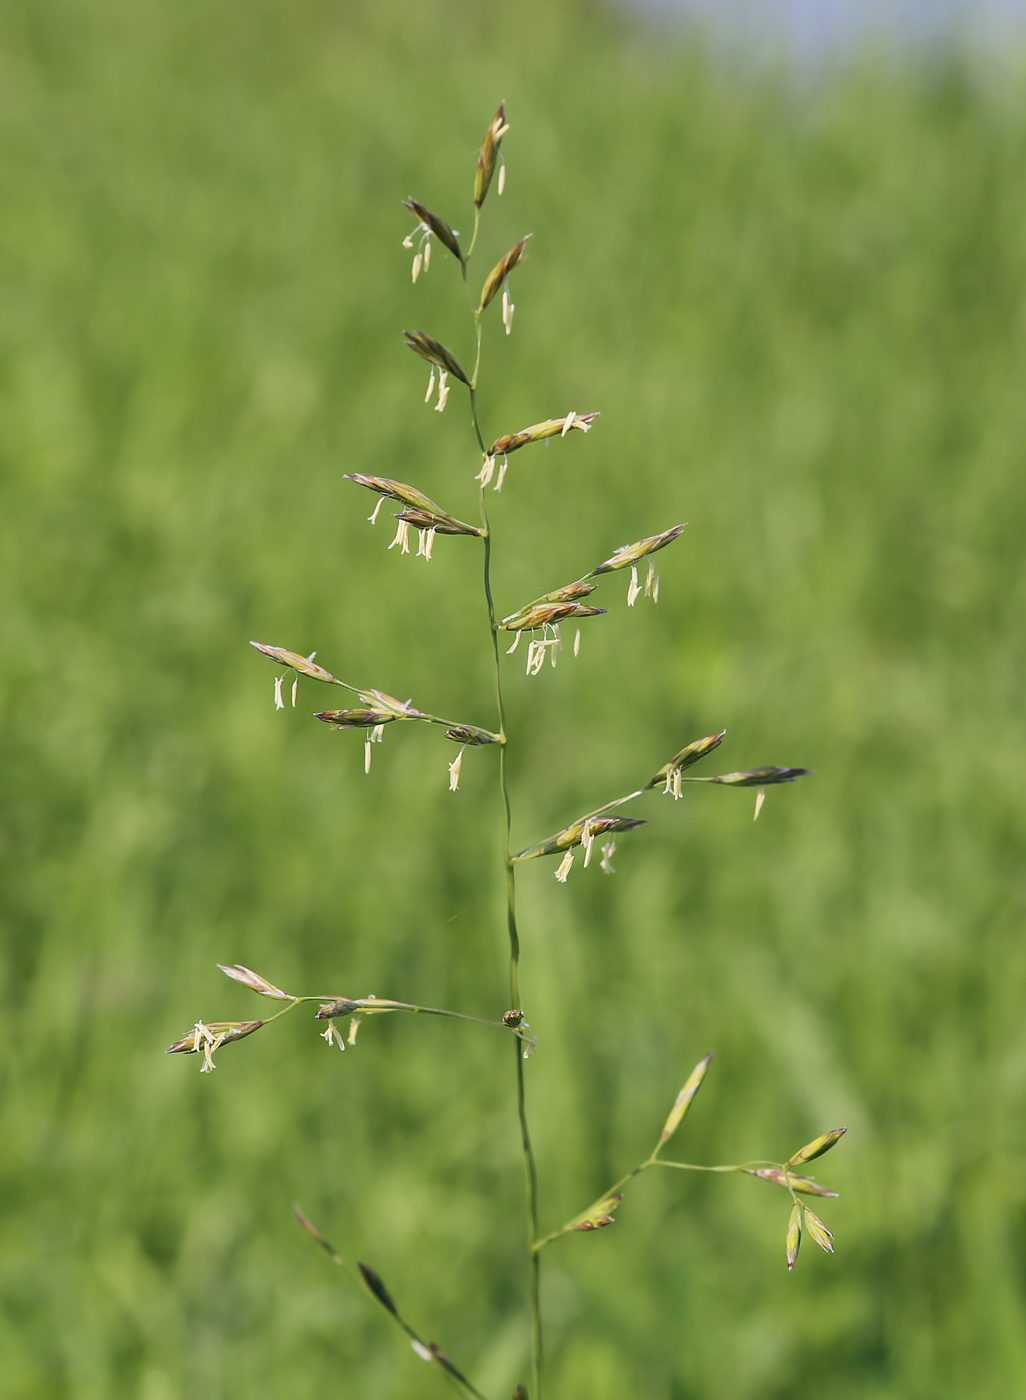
x=437, y=520
x=500, y=272
x=599, y=1215
x=341, y=1006
x=817, y=1147
x=629, y=554
x=355, y=719
x=210, y=1036
x=470, y=734
x=436, y=354
x=377, y=1287
x=818, y=1231
x=302, y=664
x=805, y=1185
x=252, y=979
x=793, y=1239
x=438, y=227
x=687, y=756
x=683, y=1100
x=497, y=129
x=551, y=427
x=761, y=777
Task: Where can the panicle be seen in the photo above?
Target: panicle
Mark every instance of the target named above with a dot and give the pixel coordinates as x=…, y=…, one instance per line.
x=377, y=1287
x=252, y=979
x=629, y=554
x=550, y=428
x=599, y=1215
x=471, y=734
x=683, y=1100
x=816, y=1148
x=794, y=1235
x=687, y=756
x=355, y=719
x=421, y=511
x=497, y=129
x=803, y=1184
x=437, y=520
x=573, y=835
x=500, y=272
x=437, y=226
x=818, y=1230
x=210, y=1036
x=760, y=777
x=547, y=614
x=436, y=354
x=303, y=664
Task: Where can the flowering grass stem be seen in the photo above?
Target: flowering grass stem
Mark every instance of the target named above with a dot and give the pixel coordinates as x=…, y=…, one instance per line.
x=530, y=1166
x=380, y=709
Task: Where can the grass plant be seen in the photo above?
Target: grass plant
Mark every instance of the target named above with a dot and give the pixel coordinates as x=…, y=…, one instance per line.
x=800, y=313
x=542, y=618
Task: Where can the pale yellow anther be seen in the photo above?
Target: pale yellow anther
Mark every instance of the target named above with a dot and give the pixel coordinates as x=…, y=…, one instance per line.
x=633, y=588
x=402, y=537
x=454, y=771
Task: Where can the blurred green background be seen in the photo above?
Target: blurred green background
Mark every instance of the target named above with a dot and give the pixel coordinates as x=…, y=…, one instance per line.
x=801, y=313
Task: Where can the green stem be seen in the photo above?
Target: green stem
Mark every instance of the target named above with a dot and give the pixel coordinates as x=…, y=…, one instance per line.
x=531, y=1178
x=473, y=242
x=530, y=1167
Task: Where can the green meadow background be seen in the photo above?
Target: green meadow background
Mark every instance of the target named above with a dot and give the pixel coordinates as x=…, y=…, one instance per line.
x=801, y=310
